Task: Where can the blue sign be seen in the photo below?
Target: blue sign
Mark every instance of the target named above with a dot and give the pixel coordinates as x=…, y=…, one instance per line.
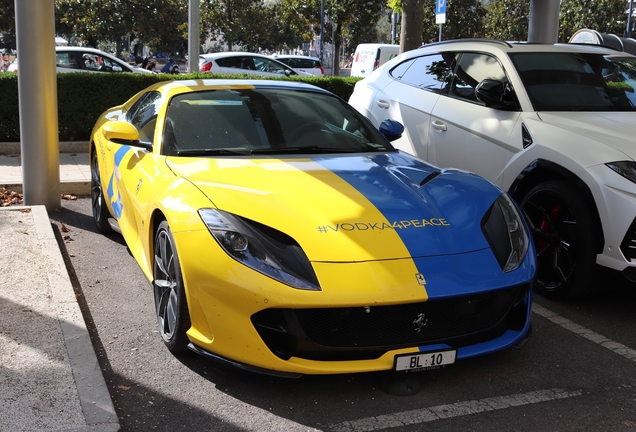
x=440, y=11
x=440, y=7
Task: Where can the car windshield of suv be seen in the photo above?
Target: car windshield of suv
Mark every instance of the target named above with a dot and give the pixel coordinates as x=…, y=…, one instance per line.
x=266, y=121
x=577, y=81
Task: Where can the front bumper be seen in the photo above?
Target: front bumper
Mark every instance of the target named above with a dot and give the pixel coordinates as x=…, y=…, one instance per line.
x=242, y=317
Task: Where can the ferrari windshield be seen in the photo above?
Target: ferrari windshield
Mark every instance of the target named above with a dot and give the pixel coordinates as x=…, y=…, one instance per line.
x=265, y=121
x=561, y=81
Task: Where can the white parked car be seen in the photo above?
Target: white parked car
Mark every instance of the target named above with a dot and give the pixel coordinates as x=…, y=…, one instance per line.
x=554, y=125
x=310, y=65
x=236, y=62
x=84, y=59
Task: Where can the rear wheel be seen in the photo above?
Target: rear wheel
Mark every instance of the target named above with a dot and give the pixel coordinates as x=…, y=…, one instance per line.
x=170, y=300
x=98, y=203
x=565, y=238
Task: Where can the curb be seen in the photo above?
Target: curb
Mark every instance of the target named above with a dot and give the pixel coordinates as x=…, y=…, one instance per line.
x=97, y=406
x=13, y=148
x=77, y=188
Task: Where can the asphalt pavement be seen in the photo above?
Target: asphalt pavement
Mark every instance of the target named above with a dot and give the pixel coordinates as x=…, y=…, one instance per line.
x=49, y=373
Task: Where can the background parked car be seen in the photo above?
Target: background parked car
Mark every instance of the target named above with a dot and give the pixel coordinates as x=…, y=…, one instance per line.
x=300, y=63
x=84, y=59
x=249, y=63
x=369, y=57
x=551, y=124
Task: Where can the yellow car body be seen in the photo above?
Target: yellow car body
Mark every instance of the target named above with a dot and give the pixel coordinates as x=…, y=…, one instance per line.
x=370, y=248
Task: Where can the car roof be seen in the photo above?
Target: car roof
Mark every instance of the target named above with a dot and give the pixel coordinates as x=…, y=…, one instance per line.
x=179, y=86
x=515, y=46
x=231, y=54
x=279, y=56
x=78, y=48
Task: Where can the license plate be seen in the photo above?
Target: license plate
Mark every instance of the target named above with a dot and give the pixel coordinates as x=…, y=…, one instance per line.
x=414, y=362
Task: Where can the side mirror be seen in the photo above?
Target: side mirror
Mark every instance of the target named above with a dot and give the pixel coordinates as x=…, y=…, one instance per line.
x=492, y=92
x=391, y=129
x=121, y=132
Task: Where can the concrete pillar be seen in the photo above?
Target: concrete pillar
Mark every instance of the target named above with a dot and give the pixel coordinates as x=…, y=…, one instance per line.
x=194, y=35
x=544, y=21
x=37, y=91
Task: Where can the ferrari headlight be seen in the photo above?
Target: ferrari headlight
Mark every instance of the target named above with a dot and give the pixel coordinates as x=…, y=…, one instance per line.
x=625, y=168
x=261, y=248
x=506, y=233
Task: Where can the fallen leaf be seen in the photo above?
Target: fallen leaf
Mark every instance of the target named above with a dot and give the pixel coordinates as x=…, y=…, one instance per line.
x=65, y=228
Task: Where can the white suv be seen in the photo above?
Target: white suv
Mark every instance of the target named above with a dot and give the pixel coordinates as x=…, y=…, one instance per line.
x=554, y=125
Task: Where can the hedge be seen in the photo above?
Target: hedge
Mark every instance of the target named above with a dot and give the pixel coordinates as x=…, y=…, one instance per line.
x=82, y=97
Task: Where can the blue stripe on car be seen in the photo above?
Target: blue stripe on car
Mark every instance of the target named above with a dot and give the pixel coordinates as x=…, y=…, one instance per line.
x=391, y=182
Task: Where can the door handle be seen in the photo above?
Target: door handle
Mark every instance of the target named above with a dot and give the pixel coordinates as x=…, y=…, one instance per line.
x=382, y=104
x=439, y=126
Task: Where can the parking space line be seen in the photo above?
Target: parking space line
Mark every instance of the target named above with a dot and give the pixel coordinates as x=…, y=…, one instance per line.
x=618, y=348
x=458, y=409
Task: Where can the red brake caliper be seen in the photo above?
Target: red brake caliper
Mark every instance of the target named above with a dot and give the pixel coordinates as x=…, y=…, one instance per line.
x=544, y=225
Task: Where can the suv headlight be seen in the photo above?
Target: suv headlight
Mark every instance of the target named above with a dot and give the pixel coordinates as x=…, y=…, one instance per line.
x=625, y=168
x=505, y=230
x=259, y=247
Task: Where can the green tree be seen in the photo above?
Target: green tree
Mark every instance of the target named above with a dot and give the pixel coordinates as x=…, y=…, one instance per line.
x=507, y=20
x=605, y=16
x=159, y=24
x=229, y=19
x=7, y=24
x=464, y=19
x=288, y=28
x=96, y=20
x=346, y=16
x=162, y=25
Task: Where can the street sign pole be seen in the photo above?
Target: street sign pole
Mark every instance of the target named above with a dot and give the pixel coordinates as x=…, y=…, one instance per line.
x=440, y=15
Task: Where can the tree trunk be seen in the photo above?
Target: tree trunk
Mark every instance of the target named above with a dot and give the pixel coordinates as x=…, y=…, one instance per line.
x=412, y=24
x=119, y=43
x=336, y=50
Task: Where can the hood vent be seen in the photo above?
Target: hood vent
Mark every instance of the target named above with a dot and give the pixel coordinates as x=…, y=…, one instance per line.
x=526, y=137
x=429, y=178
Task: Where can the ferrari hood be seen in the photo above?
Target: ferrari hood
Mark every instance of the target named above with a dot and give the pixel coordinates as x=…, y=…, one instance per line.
x=612, y=129
x=349, y=208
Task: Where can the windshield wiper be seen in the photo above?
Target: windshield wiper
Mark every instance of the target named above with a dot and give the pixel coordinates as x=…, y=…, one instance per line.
x=302, y=150
x=211, y=152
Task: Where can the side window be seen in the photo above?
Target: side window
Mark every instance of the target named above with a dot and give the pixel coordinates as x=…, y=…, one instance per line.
x=292, y=62
x=67, y=60
x=265, y=65
x=431, y=72
x=232, y=62
x=143, y=115
x=471, y=69
x=98, y=63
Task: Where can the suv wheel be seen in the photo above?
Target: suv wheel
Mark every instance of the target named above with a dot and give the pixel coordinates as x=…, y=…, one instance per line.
x=565, y=239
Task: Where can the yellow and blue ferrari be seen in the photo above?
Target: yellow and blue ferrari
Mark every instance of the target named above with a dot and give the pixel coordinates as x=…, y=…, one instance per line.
x=282, y=233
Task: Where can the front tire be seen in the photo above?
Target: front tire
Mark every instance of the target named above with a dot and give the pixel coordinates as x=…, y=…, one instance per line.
x=98, y=203
x=565, y=238
x=170, y=300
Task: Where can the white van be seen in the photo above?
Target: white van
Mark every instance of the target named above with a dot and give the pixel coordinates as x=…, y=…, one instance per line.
x=369, y=57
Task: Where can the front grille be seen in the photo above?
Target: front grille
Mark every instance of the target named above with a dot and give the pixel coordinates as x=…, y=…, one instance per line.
x=628, y=245
x=359, y=332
